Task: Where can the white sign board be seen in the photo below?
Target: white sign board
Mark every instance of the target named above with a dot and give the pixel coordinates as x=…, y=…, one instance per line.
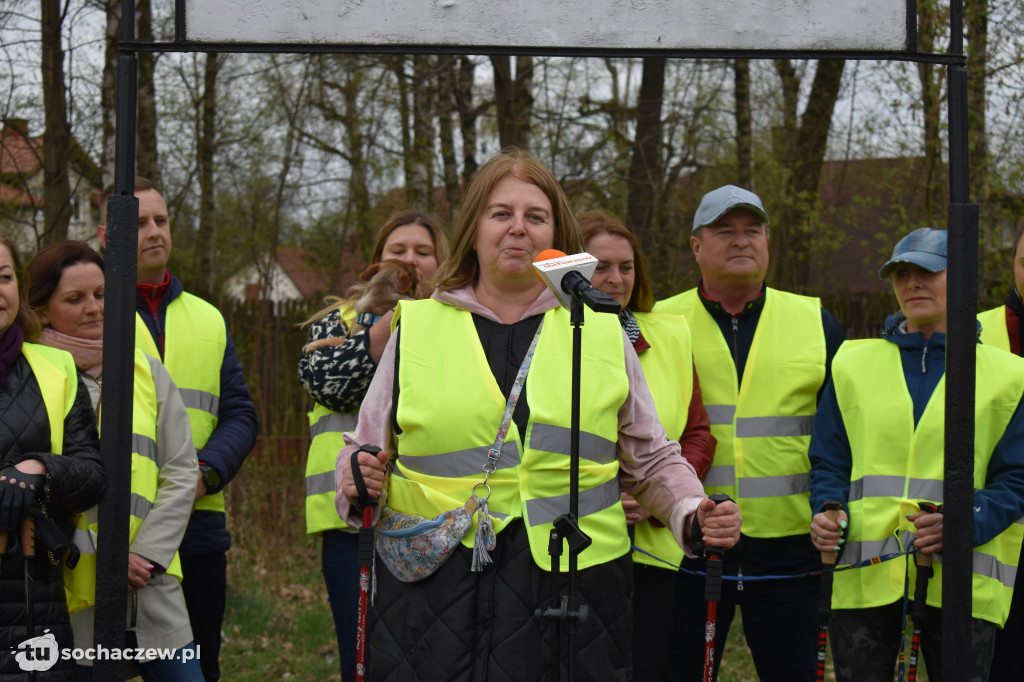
x=862, y=25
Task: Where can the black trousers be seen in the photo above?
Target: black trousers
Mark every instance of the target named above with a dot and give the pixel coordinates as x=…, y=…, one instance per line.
x=205, y=582
x=1008, y=661
x=653, y=608
x=779, y=621
x=866, y=642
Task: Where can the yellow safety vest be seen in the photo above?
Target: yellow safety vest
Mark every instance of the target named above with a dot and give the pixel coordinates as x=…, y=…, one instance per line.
x=80, y=583
x=195, y=338
x=895, y=465
x=668, y=368
x=325, y=429
x=449, y=410
x=763, y=426
x=325, y=441
x=58, y=382
x=993, y=328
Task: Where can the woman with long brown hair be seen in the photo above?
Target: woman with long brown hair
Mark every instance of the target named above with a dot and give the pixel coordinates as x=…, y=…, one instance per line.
x=662, y=342
x=67, y=292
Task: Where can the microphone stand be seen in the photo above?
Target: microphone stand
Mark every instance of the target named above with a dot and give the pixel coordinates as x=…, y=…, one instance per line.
x=569, y=612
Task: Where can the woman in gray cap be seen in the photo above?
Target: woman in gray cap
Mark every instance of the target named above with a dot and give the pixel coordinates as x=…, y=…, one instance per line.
x=877, y=448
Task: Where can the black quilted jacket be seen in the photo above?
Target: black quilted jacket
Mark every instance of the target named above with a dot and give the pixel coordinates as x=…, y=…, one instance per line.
x=75, y=483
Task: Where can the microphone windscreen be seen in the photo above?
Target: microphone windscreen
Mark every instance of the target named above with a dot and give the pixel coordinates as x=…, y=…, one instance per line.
x=546, y=254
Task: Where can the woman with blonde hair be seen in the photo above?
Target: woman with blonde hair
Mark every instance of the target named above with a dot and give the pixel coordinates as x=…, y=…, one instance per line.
x=472, y=399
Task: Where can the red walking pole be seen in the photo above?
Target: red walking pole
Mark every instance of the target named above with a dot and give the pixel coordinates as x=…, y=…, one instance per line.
x=712, y=594
x=828, y=562
x=365, y=557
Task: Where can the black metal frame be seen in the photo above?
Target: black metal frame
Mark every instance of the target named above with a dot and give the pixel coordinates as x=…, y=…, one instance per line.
x=119, y=329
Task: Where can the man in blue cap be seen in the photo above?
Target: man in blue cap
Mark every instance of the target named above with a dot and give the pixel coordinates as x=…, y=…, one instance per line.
x=762, y=356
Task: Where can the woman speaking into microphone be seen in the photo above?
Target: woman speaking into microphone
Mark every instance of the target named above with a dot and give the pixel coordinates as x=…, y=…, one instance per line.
x=471, y=405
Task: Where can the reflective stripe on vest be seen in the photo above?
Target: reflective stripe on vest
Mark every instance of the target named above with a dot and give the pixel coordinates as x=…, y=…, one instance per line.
x=763, y=426
x=895, y=465
x=325, y=432
x=80, y=583
x=449, y=408
x=57, y=377
x=668, y=368
x=993, y=328
x=195, y=337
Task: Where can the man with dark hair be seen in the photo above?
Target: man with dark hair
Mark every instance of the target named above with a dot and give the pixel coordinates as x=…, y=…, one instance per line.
x=763, y=356
x=191, y=337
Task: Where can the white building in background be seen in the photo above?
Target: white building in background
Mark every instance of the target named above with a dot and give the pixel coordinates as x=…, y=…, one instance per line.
x=21, y=188
x=291, y=279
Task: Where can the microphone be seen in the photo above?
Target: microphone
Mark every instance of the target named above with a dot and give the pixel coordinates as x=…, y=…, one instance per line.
x=569, y=276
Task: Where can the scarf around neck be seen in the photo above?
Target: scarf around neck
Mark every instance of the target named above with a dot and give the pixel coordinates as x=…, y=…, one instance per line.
x=88, y=354
x=10, y=348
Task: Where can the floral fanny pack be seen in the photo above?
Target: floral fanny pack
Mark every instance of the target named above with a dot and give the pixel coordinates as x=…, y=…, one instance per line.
x=413, y=547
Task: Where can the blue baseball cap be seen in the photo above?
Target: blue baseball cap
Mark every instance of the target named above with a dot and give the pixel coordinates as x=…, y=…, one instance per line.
x=924, y=247
x=718, y=202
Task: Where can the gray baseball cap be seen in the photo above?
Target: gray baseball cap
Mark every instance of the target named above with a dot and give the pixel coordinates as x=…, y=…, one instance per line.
x=924, y=246
x=718, y=202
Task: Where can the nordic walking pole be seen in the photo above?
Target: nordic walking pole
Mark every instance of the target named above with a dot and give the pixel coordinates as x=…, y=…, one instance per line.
x=712, y=594
x=924, y=574
x=828, y=563
x=365, y=557
x=28, y=551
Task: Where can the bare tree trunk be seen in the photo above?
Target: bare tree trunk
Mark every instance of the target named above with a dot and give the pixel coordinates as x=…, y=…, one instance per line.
x=422, y=152
x=646, y=171
x=207, y=146
x=468, y=115
x=445, y=109
x=976, y=14
x=513, y=99
x=741, y=95
x=57, y=138
x=108, y=93
x=783, y=136
x=802, y=153
x=148, y=165
x=405, y=116
x=358, y=192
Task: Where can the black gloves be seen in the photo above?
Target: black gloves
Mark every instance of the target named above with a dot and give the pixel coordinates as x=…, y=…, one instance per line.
x=18, y=493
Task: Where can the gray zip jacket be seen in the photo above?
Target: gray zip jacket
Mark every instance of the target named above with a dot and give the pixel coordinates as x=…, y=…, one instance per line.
x=157, y=612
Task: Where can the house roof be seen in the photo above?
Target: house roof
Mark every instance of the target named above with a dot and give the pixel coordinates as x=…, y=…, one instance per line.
x=20, y=154
x=314, y=276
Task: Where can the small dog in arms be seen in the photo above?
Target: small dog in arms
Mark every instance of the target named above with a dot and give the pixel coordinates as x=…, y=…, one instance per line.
x=378, y=290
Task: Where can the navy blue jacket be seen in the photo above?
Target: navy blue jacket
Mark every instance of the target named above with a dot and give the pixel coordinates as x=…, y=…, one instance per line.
x=232, y=439
x=996, y=506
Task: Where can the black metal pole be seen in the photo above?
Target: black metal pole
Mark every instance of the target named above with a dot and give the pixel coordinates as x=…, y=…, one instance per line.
x=576, y=319
x=119, y=350
x=961, y=301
